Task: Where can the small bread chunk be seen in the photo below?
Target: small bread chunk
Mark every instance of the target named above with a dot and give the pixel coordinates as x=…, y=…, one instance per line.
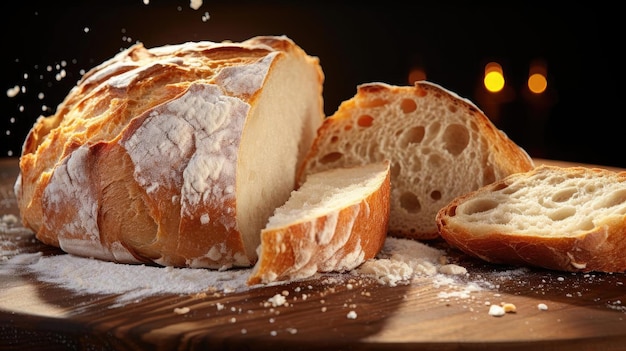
x=439, y=144
x=334, y=222
x=569, y=219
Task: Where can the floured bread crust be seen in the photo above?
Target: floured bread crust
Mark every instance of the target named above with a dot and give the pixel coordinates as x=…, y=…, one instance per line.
x=336, y=221
x=153, y=155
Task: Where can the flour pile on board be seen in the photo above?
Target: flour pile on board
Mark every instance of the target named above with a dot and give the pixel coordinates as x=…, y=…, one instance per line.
x=402, y=261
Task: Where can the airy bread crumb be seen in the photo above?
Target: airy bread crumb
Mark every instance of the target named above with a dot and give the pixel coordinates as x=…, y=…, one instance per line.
x=569, y=219
x=440, y=146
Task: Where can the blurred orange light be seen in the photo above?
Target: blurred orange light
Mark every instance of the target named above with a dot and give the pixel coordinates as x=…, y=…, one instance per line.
x=494, y=78
x=537, y=81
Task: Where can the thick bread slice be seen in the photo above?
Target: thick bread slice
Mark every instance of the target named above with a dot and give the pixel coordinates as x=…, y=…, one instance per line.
x=334, y=222
x=440, y=146
x=170, y=154
x=570, y=219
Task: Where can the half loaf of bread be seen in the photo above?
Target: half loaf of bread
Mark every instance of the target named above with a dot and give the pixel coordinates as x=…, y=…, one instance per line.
x=334, y=222
x=439, y=144
x=569, y=219
x=175, y=155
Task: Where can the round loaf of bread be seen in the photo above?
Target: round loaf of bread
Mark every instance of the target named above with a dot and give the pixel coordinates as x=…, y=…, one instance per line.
x=174, y=155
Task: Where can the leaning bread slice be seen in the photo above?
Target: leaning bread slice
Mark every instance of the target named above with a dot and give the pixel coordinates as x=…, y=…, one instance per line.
x=570, y=219
x=439, y=144
x=334, y=222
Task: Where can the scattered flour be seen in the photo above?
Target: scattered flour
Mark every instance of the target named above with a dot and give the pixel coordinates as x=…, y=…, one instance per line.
x=130, y=282
x=399, y=262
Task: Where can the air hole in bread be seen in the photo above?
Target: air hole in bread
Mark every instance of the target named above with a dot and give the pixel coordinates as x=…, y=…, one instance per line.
x=479, y=205
x=373, y=152
x=433, y=128
x=616, y=198
x=452, y=108
x=372, y=103
x=408, y=105
x=395, y=169
x=504, y=188
x=419, y=91
x=412, y=136
x=415, y=166
x=562, y=213
x=564, y=195
x=456, y=138
x=331, y=157
x=489, y=175
x=434, y=160
x=474, y=126
x=588, y=225
x=435, y=194
x=347, y=127
x=590, y=188
x=451, y=212
x=334, y=139
x=365, y=121
x=410, y=202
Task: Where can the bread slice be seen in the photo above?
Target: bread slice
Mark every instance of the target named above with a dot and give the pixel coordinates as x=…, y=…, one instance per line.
x=439, y=144
x=334, y=222
x=170, y=154
x=561, y=218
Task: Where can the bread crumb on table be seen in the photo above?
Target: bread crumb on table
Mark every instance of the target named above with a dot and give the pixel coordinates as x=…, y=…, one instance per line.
x=496, y=310
x=277, y=300
x=502, y=309
x=509, y=307
x=181, y=310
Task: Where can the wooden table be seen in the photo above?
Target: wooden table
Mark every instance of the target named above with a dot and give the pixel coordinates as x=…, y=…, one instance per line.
x=585, y=311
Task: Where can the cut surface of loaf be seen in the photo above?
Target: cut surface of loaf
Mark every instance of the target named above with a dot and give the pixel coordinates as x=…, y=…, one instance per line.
x=334, y=222
x=570, y=219
x=439, y=144
x=170, y=154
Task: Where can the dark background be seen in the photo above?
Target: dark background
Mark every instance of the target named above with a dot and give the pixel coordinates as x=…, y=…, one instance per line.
x=580, y=117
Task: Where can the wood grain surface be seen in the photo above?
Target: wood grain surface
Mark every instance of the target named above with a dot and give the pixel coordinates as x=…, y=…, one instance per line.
x=585, y=311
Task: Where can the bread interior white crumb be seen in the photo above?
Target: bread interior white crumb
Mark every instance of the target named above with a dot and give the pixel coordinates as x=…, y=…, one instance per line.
x=329, y=191
x=277, y=124
x=544, y=204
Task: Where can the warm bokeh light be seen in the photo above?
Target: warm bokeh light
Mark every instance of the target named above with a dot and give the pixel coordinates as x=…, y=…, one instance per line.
x=416, y=74
x=537, y=77
x=494, y=78
x=537, y=83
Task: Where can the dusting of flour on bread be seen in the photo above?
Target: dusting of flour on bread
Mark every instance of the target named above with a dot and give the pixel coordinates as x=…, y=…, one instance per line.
x=206, y=136
x=230, y=80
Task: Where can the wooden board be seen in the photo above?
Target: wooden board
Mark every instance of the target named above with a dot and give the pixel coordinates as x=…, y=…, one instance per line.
x=585, y=311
